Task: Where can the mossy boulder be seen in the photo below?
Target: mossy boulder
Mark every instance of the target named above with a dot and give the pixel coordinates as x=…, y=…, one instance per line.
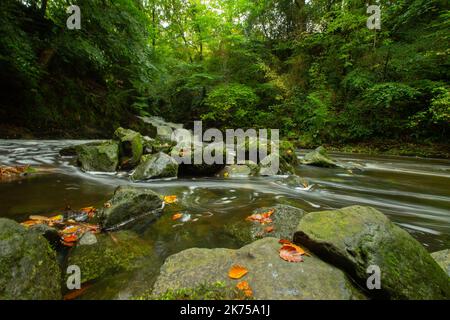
x=131, y=147
x=28, y=268
x=154, y=166
x=269, y=276
x=203, y=168
x=357, y=237
x=249, y=169
x=273, y=164
x=319, y=158
x=129, y=203
x=113, y=253
x=443, y=259
x=102, y=156
x=285, y=220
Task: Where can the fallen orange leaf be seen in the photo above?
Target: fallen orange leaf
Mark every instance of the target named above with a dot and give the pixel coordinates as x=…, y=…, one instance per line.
x=284, y=241
x=70, y=238
x=269, y=229
x=89, y=210
x=170, y=199
x=262, y=218
x=291, y=253
x=245, y=287
x=177, y=216
x=76, y=293
x=237, y=272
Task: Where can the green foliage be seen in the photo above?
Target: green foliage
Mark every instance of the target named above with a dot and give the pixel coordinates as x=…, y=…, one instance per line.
x=230, y=105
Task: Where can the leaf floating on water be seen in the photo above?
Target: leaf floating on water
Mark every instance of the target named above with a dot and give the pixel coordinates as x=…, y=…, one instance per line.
x=170, y=199
x=245, y=287
x=177, y=216
x=237, y=271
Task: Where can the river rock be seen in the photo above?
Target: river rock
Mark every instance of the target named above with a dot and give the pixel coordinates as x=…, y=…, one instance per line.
x=128, y=203
x=49, y=233
x=248, y=169
x=269, y=276
x=113, y=252
x=443, y=259
x=131, y=147
x=28, y=268
x=357, y=237
x=154, y=166
x=285, y=220
x=102, y=156
x=203, y=168
x=273, y=164
x=88, y=238
x=293, y=181
x=319, y=158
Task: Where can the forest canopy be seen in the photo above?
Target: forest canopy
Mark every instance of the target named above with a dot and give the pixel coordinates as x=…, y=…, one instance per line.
x=310, y=68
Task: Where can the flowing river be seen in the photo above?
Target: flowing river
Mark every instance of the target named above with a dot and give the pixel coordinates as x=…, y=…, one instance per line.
x=413, y=192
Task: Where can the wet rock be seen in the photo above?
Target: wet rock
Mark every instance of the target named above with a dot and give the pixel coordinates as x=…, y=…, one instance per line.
x=99, y=157
x=162, y=128
x=128, y=203
x=130, y=147
x=285, y=220
x=113, y=252
x=28, y=268
x=49, y=233
x=443, y=259
x=273, y=164
x=203, y=168
x=293, y=181
x=155, y=166
x=269, y=276
x=249, y=169
x=87, y=239
x=319, y=158
x=357, y=237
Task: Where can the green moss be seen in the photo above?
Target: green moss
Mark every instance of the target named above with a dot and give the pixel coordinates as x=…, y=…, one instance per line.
x=214, y=291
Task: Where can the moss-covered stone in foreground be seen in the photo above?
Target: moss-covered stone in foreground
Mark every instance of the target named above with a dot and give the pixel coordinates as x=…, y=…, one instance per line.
x=357, y=237
x=28, y=268
x=112, y=253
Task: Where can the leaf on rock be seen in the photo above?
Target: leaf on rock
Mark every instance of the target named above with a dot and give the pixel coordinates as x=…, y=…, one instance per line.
x=284, y=241
x=177, y=216
x=170, y=199
x=291, y=253
x=89, y=210
x=263, y=218
x=269, y=229
x=237, y=271
x=245, y=287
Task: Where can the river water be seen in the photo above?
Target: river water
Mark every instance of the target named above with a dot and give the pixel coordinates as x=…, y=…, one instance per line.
x=413, y=192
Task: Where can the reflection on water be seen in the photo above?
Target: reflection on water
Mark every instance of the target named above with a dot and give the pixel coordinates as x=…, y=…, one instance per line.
x=413, y=192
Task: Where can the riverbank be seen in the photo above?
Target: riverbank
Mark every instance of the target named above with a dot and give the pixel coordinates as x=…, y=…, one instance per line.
x=394, y=148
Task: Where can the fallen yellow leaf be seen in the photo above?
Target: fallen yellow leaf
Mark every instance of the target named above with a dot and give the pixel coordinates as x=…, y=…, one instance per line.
x=237, y=272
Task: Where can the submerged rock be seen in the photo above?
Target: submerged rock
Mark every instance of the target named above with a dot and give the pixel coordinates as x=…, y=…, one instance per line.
x=294, y=181
x=154, y=166
x=357, y=237
x=28, y=268
x=103, y=156
x=443, y=259
x=285, y=220
x=319, y=158
x=114, y=252
x=269, y=276
x=131, y=147
x=128, y=203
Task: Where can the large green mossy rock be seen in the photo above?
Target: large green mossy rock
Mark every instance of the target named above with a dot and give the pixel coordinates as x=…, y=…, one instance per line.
x=357, y=237
x=103, y=156
x=273, y=164
x=319, y=158
x=443, y=259
x=28, y=268
x=156, y=166
x=129, y=203
x=248, y=169
x=285, y=220
x=131, y=146
x=269, y=276
x=113, y=253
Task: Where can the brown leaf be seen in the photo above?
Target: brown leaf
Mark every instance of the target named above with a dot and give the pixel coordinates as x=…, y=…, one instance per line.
x=291, y=253
x=269, y=229
x=170, y=199
x=237, y=272
x=177, y=216
x=76, y=293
